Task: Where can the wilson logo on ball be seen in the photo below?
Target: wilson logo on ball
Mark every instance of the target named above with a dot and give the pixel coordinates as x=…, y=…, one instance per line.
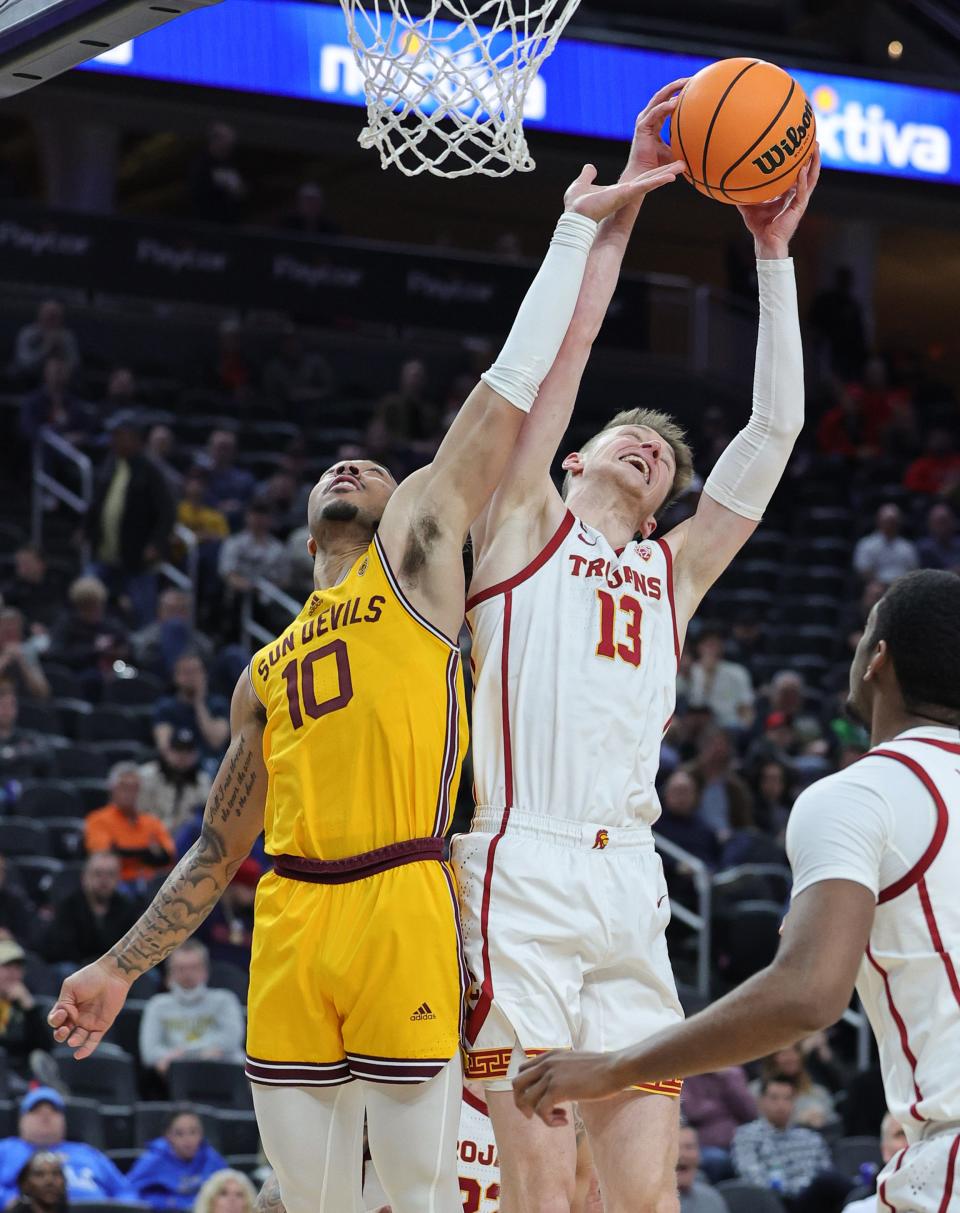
x=794, y=137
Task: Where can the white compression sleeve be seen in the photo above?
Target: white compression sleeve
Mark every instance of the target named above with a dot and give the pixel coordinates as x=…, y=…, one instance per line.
x=546, y=312
x=746, y=475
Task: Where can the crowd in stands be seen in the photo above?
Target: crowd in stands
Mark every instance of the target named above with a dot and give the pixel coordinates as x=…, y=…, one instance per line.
x=114, y=707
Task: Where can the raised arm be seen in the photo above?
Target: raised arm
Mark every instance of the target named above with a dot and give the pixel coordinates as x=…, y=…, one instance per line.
x=526, y=484
x=746, y=475
x=91, y=998
x=428, y=517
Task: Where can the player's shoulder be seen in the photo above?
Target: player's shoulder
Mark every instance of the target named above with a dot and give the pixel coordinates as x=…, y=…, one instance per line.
x=862, y=781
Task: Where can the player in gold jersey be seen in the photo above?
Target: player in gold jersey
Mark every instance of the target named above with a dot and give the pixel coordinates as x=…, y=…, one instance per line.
x=347, y=737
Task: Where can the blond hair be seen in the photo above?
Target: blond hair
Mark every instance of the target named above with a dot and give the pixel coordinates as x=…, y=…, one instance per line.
x=214, y=1186
x=668, y=430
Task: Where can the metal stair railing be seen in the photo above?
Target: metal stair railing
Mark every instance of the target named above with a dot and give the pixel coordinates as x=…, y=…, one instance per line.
x=253, y=633
x=700, y=921
x=45, y=484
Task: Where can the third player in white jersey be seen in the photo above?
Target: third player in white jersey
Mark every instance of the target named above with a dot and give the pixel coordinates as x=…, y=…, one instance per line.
x=875, y=853
x=569, y=634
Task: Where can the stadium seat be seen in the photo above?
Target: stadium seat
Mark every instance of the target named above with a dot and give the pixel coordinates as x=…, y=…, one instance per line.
x=747, y=937
x=83, y=1122
x=220, y=1083
x=125, y=1030
x=824, y=580
x=41, y=978
x=8, y=1118
x=107, y=1206
x=93, y=793
x=849, y=1153
x=742, y=1198
x=123, y=750
x=827, y=549
x=236, y=1132
x=118, y=1126
x=227, y=976
x=21, y=836
x=82, y=762
x=754, y=882
x=38, y=875
x=142, y=691
x=123, y=1159
x=75, y=715
x=49, y=798
x=814, y=610
x=828, y=522
x=64, y=682
x=38, y=717
x=110, y=722
x=819, y=641
x=108, y=1078
x=65, y=881
x=66, y=837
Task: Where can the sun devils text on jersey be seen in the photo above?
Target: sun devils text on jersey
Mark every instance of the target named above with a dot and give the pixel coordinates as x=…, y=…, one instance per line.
x=364, y=738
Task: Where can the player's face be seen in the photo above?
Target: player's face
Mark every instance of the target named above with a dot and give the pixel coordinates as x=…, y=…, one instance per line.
x=351, y=488
x=637, y=465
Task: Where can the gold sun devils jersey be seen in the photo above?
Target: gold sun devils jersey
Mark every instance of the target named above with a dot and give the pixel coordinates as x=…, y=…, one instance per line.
x=366, y=723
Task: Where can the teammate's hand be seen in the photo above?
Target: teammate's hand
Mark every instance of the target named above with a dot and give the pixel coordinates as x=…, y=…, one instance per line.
x=599, y=201
x=772, y=224
x=648, y=149
x=545, y=1083
x=89, y=1002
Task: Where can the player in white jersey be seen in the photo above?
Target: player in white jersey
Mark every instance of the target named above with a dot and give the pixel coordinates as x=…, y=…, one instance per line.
x=577, y=614
x=875, y=851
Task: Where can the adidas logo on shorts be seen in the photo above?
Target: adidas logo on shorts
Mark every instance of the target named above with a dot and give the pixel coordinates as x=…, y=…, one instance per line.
x=423, y=1012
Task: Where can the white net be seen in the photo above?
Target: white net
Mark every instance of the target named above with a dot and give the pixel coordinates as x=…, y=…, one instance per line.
x=447, y=91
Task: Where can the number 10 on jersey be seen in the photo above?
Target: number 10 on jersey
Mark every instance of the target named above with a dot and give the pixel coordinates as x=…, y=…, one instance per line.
x=630, y=648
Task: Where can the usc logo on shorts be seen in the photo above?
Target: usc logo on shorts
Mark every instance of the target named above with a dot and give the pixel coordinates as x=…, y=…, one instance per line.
x=600, y=841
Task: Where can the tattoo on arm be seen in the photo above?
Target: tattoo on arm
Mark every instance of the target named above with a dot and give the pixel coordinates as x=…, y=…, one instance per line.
x=269, y=1200
x=194, y=886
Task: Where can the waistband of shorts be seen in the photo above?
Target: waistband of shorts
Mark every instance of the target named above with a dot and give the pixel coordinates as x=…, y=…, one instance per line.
x=584, y=834
x=358, y=867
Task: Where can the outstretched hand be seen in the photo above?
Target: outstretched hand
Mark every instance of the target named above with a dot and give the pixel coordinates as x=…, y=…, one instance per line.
x=546, y=1083
x=89, y=1002
x=599, y=201
x=772, y=224
x=648, y=149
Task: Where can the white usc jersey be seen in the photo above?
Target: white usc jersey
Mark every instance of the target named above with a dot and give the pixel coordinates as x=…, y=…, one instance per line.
x=478, y=1166
x=909, y=980
x=892, y=822
x=575, y=666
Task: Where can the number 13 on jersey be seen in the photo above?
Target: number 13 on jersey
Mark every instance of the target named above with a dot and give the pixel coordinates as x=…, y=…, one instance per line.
x=629, y=649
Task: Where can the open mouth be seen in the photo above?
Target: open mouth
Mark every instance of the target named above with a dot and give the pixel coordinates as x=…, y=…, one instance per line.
x=639, y=463
x=345, y=481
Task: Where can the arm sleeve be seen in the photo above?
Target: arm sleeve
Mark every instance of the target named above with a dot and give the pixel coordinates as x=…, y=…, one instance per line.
x=747, y=473
x=545, y=314
x=839, y=829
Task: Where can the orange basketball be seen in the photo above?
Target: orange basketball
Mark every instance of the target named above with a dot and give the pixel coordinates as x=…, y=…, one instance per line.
x=745, y=129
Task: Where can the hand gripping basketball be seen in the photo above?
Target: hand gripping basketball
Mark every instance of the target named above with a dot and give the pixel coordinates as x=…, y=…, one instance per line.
x=89, y=1002
x=648, y=150
x=772, y=224
x=598, y=201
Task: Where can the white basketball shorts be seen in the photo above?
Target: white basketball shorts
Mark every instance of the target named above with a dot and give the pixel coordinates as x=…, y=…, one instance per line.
x=923, y=1178
x=564, y=930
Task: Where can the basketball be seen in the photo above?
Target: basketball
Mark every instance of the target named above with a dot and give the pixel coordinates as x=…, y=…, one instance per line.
x=745, y=128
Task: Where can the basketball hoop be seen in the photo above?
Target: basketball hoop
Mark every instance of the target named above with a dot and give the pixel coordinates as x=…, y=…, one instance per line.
x=447, y=92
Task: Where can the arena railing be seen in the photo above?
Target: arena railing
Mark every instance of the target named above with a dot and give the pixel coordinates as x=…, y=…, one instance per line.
x=700, y=920
x=254, y=634
x=46, y=484
x=185, y=578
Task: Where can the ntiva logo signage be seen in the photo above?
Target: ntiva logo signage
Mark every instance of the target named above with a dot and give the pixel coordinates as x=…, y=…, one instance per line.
x=296, y=49
x=869, y=126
